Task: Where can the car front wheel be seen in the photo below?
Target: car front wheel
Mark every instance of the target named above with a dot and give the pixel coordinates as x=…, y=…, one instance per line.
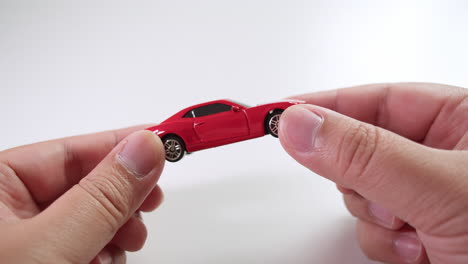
x=174, y=147
x=272, y=122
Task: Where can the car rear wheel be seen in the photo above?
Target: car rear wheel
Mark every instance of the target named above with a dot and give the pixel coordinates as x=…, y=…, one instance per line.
x=174, y=147
x=272, y=122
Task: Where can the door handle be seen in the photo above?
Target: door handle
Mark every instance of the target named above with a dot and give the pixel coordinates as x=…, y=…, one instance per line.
x=199, y=124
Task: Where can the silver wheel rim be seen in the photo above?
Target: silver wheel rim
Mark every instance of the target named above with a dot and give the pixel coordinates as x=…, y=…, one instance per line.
x=273, y=124
x=173, y=149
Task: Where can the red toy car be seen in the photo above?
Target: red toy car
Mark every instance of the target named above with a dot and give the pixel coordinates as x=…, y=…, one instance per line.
x=217, y=123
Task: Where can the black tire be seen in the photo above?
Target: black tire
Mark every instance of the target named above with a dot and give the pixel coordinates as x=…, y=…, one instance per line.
x=174, y=147
x=272, y=122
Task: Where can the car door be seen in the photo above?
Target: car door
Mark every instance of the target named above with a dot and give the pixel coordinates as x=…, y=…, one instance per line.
x=218, y=121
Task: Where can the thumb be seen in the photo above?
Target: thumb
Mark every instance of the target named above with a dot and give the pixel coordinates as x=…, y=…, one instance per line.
x=381, y=166
x=81, y=222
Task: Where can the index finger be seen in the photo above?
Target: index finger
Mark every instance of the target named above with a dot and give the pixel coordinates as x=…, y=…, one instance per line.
x=408, y=109
x=50, y=168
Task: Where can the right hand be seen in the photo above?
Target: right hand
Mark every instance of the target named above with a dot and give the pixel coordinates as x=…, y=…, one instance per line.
x=399, y=154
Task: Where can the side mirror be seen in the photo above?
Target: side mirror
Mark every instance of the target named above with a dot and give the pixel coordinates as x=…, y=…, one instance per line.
x=236, y=109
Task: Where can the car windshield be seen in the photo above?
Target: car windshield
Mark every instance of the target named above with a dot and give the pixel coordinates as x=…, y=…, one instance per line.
x=244, y=105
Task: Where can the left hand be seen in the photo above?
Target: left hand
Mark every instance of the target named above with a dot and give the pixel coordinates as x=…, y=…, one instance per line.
x=77, y=200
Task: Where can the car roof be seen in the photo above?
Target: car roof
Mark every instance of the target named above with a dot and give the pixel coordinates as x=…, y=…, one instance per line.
x=185, y=110
x=221, y=101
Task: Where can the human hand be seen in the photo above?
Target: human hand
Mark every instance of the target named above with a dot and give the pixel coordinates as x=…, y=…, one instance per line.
x=77, y=200
x=398, y=153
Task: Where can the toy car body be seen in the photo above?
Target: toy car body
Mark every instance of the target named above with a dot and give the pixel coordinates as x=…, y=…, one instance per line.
x=217, y=123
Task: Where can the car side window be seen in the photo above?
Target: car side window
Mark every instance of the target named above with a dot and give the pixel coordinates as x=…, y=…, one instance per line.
x=211, y=109
x=189, y=114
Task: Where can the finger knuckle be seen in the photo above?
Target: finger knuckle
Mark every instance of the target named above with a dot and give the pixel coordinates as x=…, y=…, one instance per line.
x=112, y=197
x=350, y=205
x=11, y=188
x=366, y=243
x=356, y=153
x=355, y=205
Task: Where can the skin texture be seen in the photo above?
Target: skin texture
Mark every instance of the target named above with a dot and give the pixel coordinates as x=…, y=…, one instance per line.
x=398, y=153
x=78, y=199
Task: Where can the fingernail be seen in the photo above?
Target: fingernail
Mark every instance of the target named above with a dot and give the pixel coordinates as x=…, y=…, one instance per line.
x=104, y=257
x=408, y=247
x=139, y=154
x=300, y=127
x=382, y=215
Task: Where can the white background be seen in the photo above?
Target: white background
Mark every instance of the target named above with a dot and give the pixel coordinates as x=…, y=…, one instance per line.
x=72, y=67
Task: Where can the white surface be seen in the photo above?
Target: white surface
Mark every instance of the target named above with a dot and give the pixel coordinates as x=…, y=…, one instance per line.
x=72, y=67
